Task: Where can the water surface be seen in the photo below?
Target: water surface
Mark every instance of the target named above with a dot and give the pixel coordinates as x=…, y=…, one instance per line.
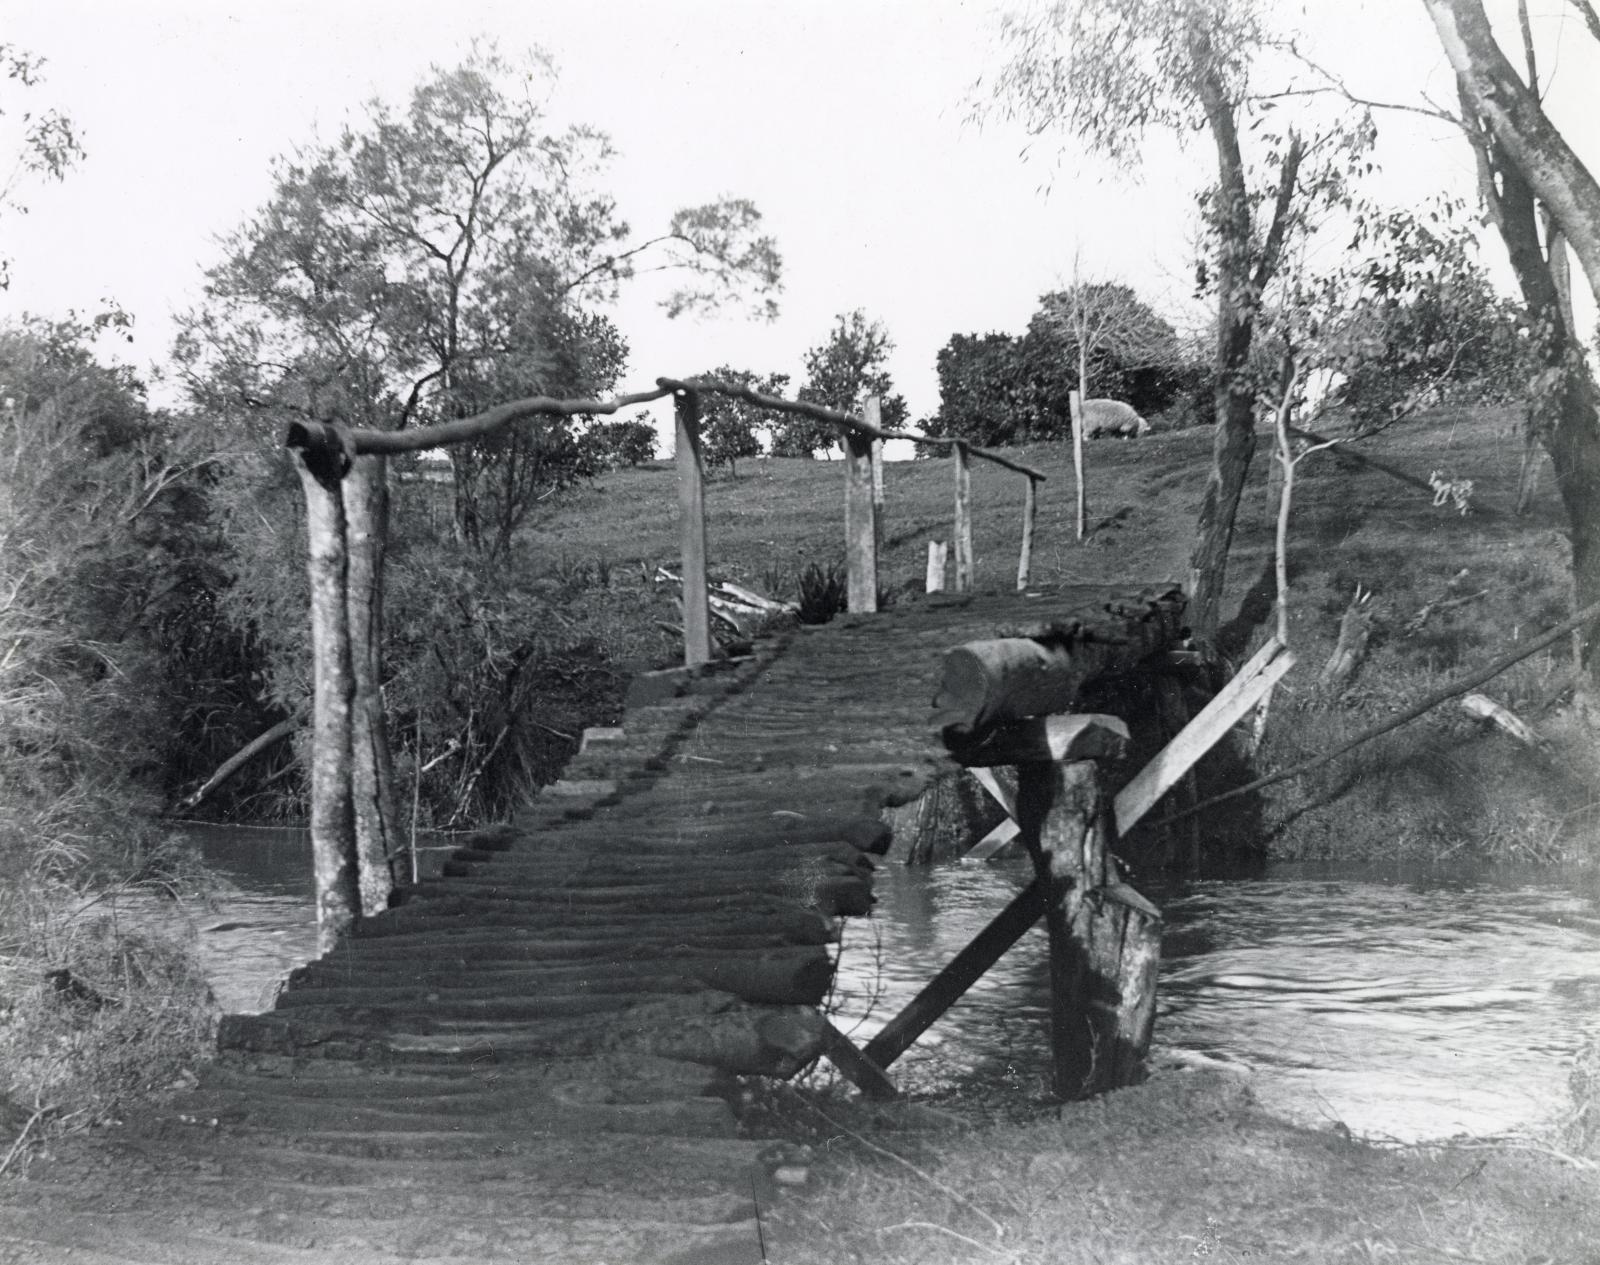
x=1401, y=1005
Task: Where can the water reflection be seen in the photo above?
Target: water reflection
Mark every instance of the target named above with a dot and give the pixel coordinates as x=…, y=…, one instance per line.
x=1403, y=1006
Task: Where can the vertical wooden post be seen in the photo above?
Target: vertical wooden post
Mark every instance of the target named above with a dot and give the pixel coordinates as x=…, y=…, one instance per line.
x=1059, y=810
x=875, y=416
x=860, y=524
x=938, y=555
x=1030, y=512
x=1105, y=939
x=1183, y=843
x=963, y=518
x=692, y=531
x=332, y=826
x=365, y=495
x=877, y=493
x=1075, y=405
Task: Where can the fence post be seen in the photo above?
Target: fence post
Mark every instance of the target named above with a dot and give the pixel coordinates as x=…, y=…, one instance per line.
x=963, y=518
x=692, y=530
x=874, y=414
x=1075, y=403
x=1030, y=511
x=861, y=518
x=938, y=553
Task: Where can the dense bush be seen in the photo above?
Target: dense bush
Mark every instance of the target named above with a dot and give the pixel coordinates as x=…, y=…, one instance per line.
x=1005, y=389
x=103, y=546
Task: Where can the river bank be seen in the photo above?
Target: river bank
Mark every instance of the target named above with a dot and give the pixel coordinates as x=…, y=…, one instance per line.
x=1187, y=1166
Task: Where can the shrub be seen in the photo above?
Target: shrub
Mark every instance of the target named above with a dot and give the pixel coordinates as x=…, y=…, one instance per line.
x=823, y=593
x=101, y=1015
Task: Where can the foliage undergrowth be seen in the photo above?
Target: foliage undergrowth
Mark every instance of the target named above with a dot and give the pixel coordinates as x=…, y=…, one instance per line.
x=102, y=551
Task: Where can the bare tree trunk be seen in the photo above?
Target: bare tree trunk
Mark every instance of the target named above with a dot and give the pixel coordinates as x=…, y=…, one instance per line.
x=1239, y=290
x=1562, y=409
x=377, y=827
x=1512, y=113
x=332, y=827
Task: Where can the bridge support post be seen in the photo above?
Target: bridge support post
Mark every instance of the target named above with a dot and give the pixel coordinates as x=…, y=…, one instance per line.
x=332, y=823
x=692, y=531
x=1105, y=939
x=861, y=518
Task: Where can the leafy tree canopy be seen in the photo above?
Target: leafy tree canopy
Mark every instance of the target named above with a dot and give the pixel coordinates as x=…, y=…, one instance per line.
x=435, y=261
x=33, y=142
x=840, y=374
x=730, y=428
x=1004, y=389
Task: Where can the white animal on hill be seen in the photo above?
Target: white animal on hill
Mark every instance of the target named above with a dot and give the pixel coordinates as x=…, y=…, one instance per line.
x=1112, y=417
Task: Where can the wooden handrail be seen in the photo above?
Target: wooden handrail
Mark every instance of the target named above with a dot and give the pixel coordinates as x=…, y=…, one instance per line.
x=442, y=434
x=833, y=417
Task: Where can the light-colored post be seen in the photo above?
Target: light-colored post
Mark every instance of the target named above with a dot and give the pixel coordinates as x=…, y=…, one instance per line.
x=872, y=411
x=333, y=846
x=1030, y=511
x=377, y=832
x=860, y=524
x=963, y=519
x=938, y=555
x=1075, y=404
x=692, y=531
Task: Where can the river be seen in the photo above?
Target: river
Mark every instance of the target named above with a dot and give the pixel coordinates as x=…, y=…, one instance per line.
x=1405, y=1005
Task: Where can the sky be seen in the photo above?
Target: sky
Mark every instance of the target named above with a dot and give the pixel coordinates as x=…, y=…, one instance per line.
x=848, y=122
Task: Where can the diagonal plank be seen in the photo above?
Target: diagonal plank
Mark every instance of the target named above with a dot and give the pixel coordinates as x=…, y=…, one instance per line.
x=962, y=972
x=1006, y=831
x=1202, y=733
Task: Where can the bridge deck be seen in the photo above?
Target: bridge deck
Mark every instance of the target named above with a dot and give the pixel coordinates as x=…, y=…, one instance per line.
x=604, y=964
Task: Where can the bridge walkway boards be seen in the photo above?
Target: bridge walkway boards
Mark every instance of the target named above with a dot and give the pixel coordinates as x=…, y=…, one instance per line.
x=449, y=1084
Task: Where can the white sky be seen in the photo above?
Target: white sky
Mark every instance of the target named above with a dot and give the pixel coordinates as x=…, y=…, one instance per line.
x=846, y=121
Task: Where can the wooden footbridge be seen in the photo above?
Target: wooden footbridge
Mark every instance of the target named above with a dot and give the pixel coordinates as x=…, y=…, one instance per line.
x=442, y=1085
x=448, y=1081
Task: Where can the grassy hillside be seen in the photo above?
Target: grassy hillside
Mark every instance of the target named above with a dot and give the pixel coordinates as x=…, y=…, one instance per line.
x=1439, y=786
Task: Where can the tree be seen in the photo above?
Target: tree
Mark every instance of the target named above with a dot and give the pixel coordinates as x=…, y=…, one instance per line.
x=730, y=427
x=34, y=142
x=1417, y=320
x=1525, y=163
x=840, y=374
x=984, y=392
x=624, y=443
x=102, y=542
x=1109, y=70
x=429, y=264
x=433, y=262
x=1106, y=326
